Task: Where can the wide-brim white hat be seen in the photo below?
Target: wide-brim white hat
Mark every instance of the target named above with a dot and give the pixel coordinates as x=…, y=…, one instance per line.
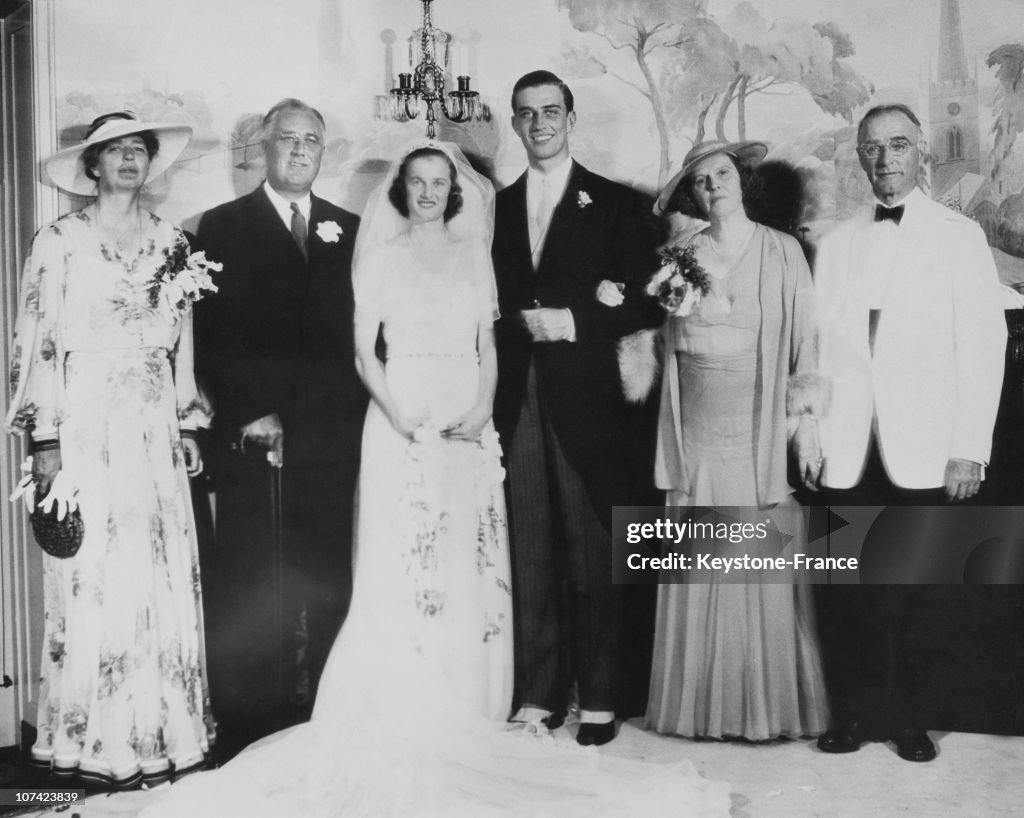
x=66, y=170
x=746, y=153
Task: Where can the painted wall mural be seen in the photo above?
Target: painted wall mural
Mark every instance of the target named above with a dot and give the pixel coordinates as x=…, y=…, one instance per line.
x=651, y=78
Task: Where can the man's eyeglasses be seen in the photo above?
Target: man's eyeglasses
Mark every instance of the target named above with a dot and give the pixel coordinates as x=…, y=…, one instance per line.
x=310, y=141
x=897, y=147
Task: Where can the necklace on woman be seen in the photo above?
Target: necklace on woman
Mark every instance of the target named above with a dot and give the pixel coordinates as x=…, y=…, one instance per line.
x=127, y=238
x=731, y=249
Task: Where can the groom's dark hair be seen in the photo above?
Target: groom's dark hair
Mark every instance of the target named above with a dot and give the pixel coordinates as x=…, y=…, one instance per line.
x=535, y=78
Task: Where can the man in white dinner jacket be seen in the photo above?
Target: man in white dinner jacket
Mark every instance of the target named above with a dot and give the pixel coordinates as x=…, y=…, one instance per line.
x=913, y=340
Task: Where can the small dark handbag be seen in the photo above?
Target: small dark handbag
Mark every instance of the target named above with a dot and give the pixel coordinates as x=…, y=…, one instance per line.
x=58, y=538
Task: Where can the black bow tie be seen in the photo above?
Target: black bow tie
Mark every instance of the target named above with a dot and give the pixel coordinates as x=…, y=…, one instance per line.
x=894, y=214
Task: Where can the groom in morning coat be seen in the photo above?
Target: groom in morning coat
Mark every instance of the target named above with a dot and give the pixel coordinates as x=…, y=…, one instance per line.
x=275, y=352
x=570, y=439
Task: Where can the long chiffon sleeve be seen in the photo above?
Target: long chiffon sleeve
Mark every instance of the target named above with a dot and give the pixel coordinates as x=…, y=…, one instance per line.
x=194, y=411
x=37, y=366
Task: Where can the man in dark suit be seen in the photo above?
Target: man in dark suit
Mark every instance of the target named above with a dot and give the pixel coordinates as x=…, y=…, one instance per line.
x=567, y=432
x=275, y=352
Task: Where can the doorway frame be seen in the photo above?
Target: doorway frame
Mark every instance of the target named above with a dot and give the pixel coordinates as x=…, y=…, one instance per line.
x=25, y=204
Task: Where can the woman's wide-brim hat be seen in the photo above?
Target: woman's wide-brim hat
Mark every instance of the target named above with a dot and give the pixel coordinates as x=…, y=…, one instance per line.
x=746, y=153
x=66, y=170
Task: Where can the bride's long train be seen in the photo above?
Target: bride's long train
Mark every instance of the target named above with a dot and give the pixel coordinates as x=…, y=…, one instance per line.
x=401, y=750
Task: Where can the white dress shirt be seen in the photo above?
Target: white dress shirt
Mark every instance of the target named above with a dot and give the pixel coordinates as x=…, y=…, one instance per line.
x=284, y=207
x=557, y=180
x=884, y=240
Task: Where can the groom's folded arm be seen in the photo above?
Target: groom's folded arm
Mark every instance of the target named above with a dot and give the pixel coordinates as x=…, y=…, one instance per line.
x=631, y=244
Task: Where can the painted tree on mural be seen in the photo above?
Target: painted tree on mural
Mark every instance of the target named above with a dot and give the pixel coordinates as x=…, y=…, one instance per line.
x=785, y=57
x=651, y=31
x=79, y=108
x=1008, y=60
x=693, y=66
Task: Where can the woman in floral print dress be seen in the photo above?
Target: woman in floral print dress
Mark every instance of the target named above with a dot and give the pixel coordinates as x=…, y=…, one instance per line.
x=103, y=383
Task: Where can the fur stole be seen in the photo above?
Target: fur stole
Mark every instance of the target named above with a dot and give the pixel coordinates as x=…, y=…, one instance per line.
x=641, y=356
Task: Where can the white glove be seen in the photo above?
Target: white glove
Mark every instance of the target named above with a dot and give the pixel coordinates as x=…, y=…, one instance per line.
x=62, y=493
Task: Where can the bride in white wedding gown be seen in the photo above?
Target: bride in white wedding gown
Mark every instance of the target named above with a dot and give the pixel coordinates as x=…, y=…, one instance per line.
x=410, y=714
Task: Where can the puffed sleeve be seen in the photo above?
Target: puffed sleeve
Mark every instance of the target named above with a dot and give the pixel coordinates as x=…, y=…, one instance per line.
x=37, y=365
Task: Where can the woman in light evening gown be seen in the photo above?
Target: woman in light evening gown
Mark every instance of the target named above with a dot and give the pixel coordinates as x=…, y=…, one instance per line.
x=738, y=659
x=430, y=524
x=103, y=385
x=410, y=713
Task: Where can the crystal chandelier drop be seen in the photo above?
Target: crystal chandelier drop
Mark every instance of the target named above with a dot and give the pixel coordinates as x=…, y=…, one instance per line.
x=423, y=88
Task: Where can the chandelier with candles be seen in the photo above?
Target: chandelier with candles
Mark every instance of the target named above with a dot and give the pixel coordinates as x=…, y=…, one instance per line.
x=422, y=88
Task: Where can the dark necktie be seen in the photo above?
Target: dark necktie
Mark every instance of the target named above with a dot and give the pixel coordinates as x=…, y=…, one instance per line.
x=893, y=214
x=299, y=230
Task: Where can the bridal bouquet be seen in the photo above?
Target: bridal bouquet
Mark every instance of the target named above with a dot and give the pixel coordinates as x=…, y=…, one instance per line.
x=181, y=280
x=681, y=282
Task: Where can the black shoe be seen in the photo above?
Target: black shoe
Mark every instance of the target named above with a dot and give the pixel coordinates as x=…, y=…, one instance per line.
x=844, y=739
x=555, y=720
x=914, y=745
x=596, y=734
x=550, y=722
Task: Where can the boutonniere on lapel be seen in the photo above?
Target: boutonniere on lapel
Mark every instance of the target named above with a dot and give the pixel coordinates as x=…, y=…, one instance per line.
x=329, y=231
x=583, y=199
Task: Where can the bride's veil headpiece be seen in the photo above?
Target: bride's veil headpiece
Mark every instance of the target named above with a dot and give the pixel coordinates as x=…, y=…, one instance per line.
x=381, y=223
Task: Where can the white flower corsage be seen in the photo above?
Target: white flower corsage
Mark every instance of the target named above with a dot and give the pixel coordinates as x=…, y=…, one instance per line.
x=681, y=282
x=583, y=199
x=181, y=281
x=329, y=231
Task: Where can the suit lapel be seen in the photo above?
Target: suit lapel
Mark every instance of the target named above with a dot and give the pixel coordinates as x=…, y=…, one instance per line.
x=907, y=259
x=852, y=279
x=318, y=246
x=268, y=219
x=913, y=285
x=518, y=220
x=564, y=216
x=266, y=216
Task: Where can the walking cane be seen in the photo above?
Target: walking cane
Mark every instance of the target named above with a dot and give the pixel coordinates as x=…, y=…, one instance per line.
x=275, y=462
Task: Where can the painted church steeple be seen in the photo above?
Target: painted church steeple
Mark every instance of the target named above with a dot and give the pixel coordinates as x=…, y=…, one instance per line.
x=953, y=134
x=952, y=60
